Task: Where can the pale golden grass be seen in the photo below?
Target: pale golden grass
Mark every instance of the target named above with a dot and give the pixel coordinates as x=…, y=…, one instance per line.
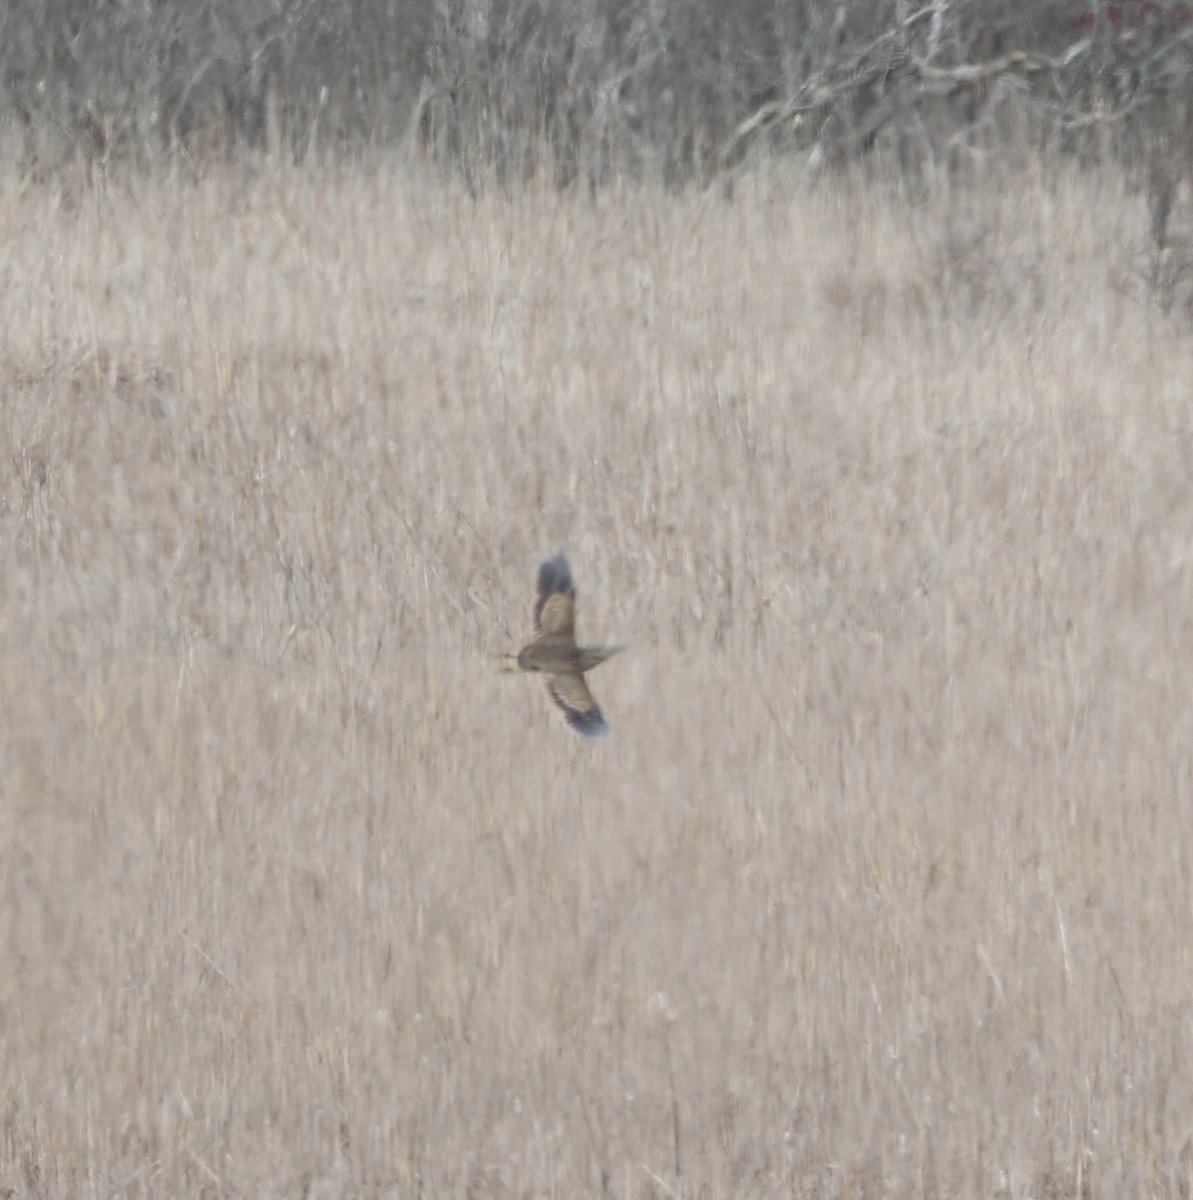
x=883, y=886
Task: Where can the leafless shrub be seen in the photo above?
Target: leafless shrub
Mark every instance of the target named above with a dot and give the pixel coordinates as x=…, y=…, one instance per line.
x=1165, y=263
x=950, y=78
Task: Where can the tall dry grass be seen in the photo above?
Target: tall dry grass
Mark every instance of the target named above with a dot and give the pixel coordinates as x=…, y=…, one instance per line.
x=882, y=888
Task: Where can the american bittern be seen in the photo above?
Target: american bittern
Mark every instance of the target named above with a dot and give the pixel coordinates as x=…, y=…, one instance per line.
x=553, y=652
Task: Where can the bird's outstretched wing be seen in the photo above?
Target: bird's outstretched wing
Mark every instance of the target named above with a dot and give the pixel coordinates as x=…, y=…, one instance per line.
x=555, y=598
x=571, y=695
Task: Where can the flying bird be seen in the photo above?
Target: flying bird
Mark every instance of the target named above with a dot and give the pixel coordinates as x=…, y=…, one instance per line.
x=553, y=652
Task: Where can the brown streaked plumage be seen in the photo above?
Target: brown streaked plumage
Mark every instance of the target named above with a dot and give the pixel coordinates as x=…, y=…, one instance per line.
x=553, y=652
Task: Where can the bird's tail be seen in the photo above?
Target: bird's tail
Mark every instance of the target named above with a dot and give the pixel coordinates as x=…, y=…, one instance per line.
x=593, y=656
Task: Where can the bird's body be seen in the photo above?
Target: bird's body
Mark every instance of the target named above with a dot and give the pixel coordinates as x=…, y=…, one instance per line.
x=553, y=651
x=542, y=655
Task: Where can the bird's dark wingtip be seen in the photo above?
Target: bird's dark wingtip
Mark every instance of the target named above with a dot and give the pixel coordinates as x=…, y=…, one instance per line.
x=588, y=724
x=555, y=575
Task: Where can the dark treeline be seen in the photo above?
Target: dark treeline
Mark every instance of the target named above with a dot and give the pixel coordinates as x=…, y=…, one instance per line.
x=681, y=89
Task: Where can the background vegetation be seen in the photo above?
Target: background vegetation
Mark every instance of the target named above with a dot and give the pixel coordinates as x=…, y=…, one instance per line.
x=877, y=454
x=600, y=87
x=882, y=886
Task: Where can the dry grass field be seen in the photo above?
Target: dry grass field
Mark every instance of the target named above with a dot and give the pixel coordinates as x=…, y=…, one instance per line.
x=883, y=886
